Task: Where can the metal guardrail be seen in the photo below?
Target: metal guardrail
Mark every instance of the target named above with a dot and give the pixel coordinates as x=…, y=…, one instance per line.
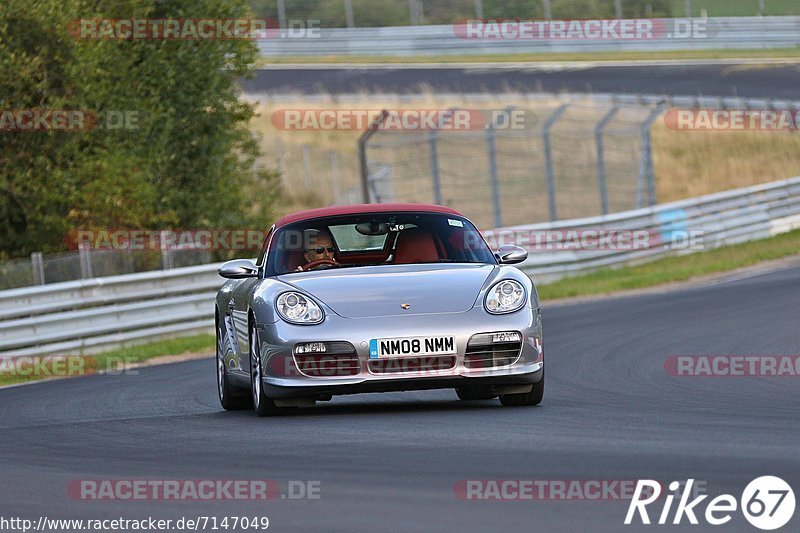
x=723, y=32
x=103, y=313
x=94, y=315
x=720, y=219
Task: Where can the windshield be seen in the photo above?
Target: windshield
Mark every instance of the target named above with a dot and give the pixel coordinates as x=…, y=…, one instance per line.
x=376, y=239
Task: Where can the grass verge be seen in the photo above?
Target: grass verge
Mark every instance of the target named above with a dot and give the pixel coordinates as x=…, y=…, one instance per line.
x=775, y=53
x=30, y=369
x=672, y=269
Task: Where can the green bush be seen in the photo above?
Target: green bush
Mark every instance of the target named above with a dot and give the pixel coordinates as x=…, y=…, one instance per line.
x=187, y=163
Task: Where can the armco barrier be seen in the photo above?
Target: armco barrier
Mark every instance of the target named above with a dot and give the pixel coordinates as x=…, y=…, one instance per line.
x=99, y=314
x=103, y=313
x=721, y=219
x=724, y=32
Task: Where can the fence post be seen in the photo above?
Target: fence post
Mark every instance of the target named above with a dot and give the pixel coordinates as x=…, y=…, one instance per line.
x=601, y=157
x=415, y=12
x=166, y=251
x=348, y=13
x=282, y=14
x=280, y=160
x=37, y=265
x=85, y=260
x=548, y=160
x=362, y=154
x=166, y=259
x=548, y=9
x=479, y=9
x=435, y=177
x=646, y=170
x=335, y=175
x=306, y=166
x=492, y=150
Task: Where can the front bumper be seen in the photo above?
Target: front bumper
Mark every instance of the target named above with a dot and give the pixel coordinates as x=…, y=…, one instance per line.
x=282, y=378
x=500, y=384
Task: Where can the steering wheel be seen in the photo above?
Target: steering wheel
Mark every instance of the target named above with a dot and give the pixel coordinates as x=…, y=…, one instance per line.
x=326, y=263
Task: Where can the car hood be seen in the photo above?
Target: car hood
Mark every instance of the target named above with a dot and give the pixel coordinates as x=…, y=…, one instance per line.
x=360, y=292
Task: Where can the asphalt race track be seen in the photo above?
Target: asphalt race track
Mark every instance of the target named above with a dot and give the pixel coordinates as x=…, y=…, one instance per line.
x=390, y=462
x=778, y=81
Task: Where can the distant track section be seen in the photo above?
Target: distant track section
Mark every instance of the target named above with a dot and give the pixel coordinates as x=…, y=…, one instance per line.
x=729, y=79
x=543, y=37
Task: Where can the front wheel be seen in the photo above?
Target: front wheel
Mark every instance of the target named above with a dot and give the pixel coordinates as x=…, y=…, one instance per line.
x=262, y=405
x=534, y=397
x=231, y=398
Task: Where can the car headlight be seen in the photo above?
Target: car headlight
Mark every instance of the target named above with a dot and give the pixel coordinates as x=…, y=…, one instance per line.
x=505, y=296
x=296, y=308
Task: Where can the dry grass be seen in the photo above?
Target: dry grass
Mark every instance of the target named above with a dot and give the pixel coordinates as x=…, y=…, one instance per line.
x=694, y=163
x=687, y=163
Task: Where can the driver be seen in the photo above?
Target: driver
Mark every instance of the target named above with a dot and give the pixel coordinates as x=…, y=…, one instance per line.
x=319, y=246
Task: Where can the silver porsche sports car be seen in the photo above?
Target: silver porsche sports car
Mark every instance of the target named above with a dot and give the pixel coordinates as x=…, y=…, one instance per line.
x=377, y=298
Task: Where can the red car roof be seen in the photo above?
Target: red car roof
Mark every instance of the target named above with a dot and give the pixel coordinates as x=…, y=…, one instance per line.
x=362, y=209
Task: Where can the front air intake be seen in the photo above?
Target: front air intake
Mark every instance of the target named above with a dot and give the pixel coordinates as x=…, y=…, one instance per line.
x=339, y=359
x=488, y=350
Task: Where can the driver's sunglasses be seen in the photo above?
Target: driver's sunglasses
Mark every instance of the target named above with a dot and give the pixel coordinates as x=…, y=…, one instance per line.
x=321, y=249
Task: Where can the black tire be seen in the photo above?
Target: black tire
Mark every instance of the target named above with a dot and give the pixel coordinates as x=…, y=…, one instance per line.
x=471, y=394
x=230, y=397
x=262, y=405
x=534, y=397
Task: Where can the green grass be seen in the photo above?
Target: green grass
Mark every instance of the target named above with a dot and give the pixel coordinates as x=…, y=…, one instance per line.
x=672, y=269
x=132, y=354
x=775, y=53
x=736, y=8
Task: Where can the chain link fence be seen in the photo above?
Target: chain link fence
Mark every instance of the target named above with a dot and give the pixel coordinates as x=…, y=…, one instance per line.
x=328, y=174
x=568, y=161
x=87, y=263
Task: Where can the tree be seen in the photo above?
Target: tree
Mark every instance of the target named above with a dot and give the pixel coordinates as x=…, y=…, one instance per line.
x=186, y=161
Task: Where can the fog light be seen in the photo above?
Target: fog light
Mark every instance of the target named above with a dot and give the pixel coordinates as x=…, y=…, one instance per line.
x=506, y=336
x=311, y=347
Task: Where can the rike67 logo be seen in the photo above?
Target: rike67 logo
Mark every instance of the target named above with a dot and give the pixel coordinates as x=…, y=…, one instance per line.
x=768, y=503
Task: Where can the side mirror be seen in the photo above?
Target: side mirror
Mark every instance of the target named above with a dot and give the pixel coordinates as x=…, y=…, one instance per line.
x=238, y=269
x=511, y=255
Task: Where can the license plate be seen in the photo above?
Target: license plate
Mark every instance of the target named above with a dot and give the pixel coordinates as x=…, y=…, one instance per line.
x=412, y=346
